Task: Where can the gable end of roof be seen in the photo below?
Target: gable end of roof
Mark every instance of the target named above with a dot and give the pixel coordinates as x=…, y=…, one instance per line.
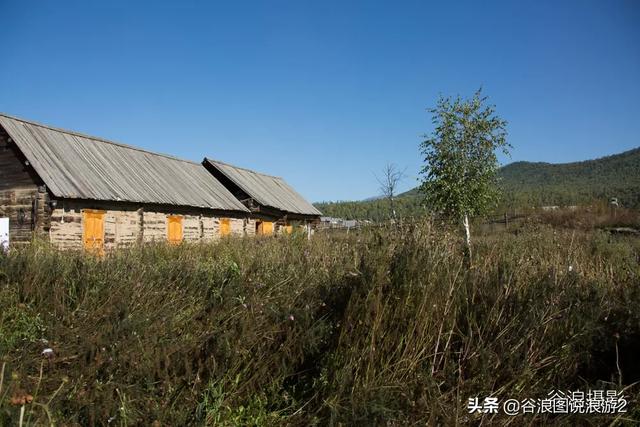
x=268, y=190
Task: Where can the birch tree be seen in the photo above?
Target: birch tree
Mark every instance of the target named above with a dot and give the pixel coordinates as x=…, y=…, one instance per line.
x=460, y=175
x=389, y=181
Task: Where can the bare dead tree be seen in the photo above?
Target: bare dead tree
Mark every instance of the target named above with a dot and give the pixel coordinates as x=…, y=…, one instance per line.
x=391, y=177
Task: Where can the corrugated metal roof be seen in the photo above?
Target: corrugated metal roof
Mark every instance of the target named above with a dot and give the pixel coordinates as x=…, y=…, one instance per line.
x=271, y=191
x=78, y=166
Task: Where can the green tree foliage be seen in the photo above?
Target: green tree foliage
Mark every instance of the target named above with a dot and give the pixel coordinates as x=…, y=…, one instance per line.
x=460, y=175
x=529, y=184
x=374, y=210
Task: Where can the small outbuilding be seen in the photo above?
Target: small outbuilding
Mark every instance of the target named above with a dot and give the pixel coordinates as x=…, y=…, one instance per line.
x=275, y=206
x=80, y=191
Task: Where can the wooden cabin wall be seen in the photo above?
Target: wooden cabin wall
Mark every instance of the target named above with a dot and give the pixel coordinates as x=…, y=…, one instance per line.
x=191, y=228
x=210, y=228
x=249, y=227
x=23, y=199
x=124, y=228
x=154, y=226
x=66, y=228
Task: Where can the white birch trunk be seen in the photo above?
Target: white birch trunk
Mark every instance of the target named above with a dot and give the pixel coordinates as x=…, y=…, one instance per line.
x=393, y=208
x=467, y=232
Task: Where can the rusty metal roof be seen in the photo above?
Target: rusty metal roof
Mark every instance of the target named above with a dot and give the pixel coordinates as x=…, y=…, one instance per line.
x=77, y=166
x=267, y=190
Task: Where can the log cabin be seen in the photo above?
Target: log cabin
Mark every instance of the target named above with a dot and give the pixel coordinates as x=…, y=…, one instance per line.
x=79, y=191
x=275, y=206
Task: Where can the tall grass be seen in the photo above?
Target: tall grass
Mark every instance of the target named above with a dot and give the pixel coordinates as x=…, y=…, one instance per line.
x=385, y=326
x=598, y=215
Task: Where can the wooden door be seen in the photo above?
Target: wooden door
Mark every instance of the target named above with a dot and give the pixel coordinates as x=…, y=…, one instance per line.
x=93, y=230
x=267, y=228
x=174, y=229
x=225, y=226
x=264, y=228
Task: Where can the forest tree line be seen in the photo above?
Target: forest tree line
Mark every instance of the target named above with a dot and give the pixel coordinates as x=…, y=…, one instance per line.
x=525, y=185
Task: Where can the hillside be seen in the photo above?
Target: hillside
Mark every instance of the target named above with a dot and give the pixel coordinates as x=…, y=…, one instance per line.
x=575, y=183
x=529, y=184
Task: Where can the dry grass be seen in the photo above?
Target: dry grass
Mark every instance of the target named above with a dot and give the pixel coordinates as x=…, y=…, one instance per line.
x=386, y=326
x=590, y=217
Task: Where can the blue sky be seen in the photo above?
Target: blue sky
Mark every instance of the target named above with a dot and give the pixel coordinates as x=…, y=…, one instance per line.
x=324, y=93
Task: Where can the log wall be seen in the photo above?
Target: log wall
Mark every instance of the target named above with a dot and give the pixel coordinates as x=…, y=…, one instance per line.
x=123, y=228
x=249, y=227
x=23, y=197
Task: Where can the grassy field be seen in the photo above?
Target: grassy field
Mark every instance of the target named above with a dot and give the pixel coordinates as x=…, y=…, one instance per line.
x=385, y=326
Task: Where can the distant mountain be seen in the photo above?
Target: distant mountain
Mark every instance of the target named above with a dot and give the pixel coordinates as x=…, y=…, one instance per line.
x=574, y=183
x=530, y=184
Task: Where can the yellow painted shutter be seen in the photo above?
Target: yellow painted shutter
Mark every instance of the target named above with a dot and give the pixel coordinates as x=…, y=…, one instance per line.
x=174, y=229
x=93, y=230
x=288, y=229
x=225, y=226
x=267, y=228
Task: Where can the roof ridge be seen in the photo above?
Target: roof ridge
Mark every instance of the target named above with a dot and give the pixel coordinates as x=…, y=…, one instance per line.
x=96, y=138
x=240, y=167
